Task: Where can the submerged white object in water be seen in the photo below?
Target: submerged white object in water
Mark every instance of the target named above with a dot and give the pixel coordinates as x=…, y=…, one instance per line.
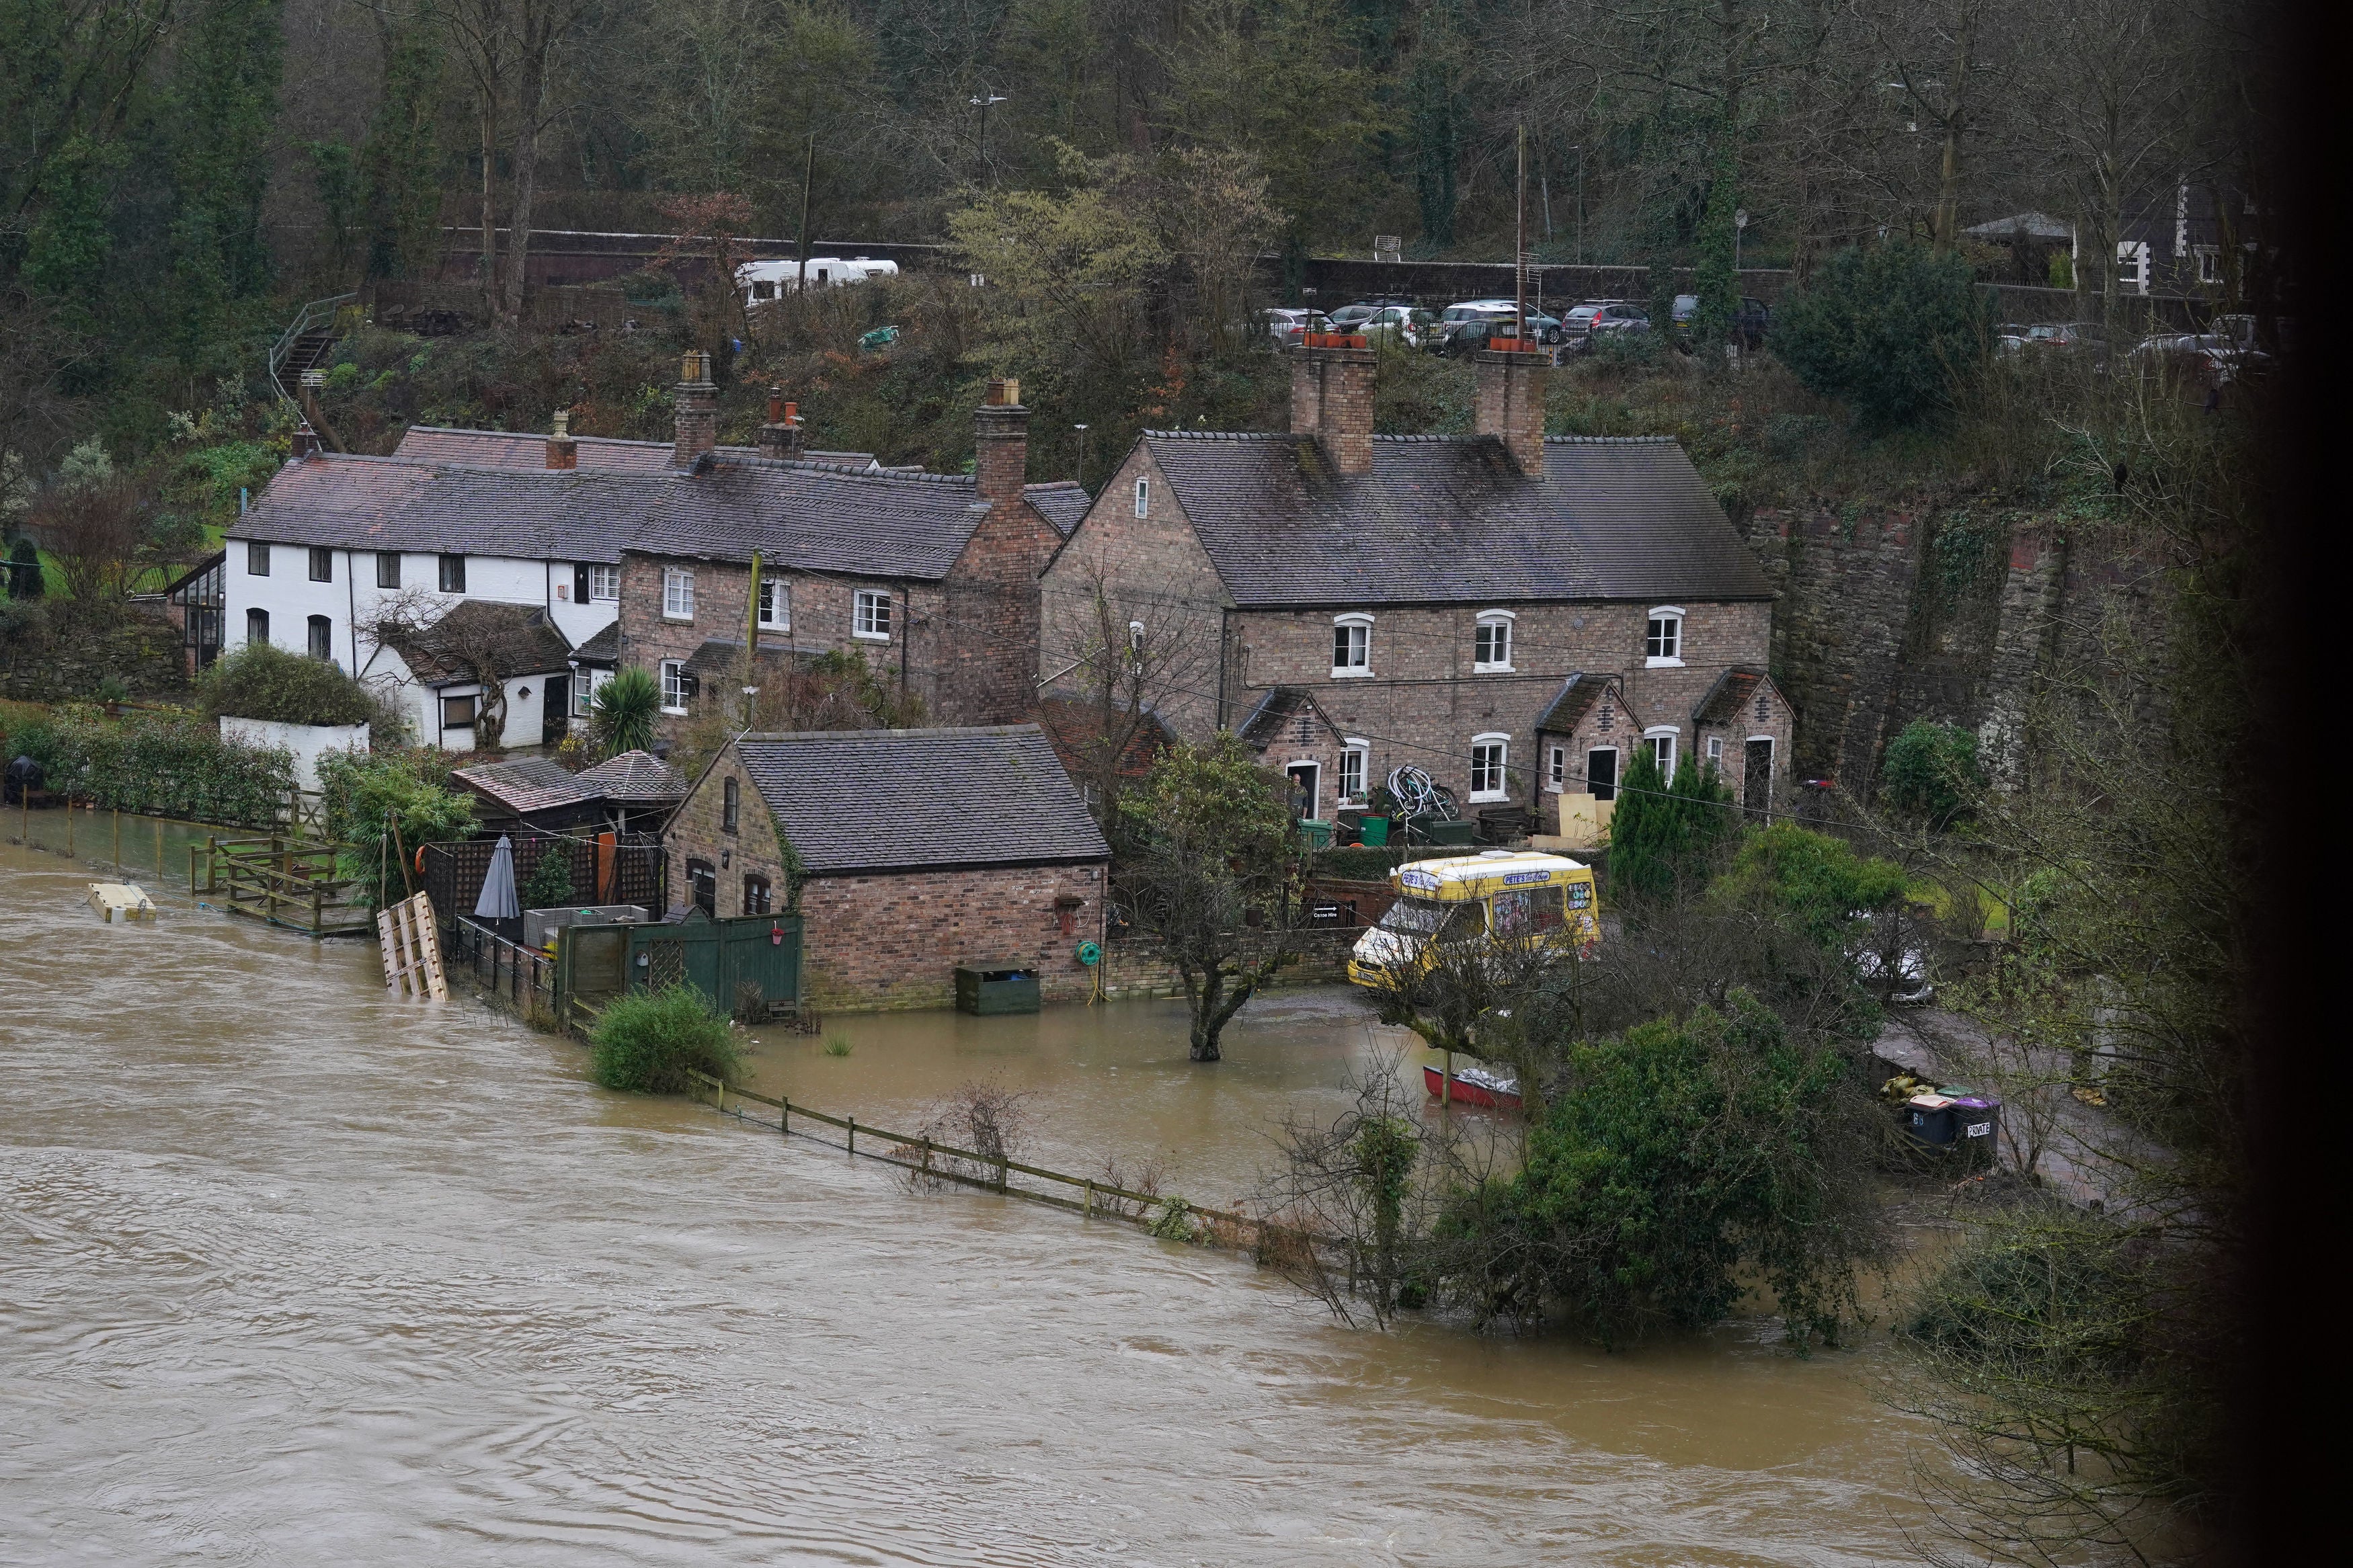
x=120, y=901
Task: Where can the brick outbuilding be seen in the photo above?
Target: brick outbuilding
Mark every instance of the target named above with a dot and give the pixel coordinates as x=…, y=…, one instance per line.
x=909, y=851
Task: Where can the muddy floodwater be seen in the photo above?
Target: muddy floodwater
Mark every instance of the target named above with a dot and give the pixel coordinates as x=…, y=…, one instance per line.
x=294, y=1273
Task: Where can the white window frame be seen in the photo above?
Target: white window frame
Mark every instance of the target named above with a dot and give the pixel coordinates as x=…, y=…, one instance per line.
x=1143, y=496
x=1499, y=787
x=604, y=581
x=673, y=687
x=1359, y=752
x=1617, y=770
x=1355, y=620
x=1715, y=753
x=1671, y=617
x=2210, y=263
x=1498, y=621
x=1557, y=767
x=1666, y=754
x=584, y=683
x=1136, y=647
x=776, y=604
x=677, y=594
x=870, y=615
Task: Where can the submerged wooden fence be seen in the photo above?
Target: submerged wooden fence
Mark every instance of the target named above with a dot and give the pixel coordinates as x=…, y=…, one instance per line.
x=1164, y=1214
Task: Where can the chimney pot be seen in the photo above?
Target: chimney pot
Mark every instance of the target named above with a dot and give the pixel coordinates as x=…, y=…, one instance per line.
x=562, y=451
x=1511, y=401
x=697, y=410
x=1332, y=399
x=1001, y=443
x=775, y=405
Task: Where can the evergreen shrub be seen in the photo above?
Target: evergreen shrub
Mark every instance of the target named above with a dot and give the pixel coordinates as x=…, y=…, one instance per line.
x=1930, y=772
x=648, y=1041
x=261, y=681
x=164, y=767
x=368, y=795
x=1887, y=330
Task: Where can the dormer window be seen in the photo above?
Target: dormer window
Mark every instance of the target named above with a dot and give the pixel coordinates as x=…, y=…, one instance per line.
x=1352, y=646
x=1490, y=643
x=1663, y=640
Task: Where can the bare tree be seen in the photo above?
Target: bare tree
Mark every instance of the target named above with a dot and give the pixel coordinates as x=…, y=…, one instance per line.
x=489, y=644
x=98, y=531
x=1118, y=652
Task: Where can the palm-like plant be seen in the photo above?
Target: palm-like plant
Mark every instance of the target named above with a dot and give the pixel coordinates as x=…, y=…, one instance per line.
x=622, y=711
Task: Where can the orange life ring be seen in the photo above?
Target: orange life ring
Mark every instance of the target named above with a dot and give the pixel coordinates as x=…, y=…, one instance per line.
x=421, y=860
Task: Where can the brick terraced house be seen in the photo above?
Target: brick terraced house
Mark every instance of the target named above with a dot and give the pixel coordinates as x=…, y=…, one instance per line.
x=1512, y=612
x=918, y=850
x=639, y=552
x=932, y=578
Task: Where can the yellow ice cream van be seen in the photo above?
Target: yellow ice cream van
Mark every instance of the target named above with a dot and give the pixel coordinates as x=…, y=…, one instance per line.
x=1507, y=894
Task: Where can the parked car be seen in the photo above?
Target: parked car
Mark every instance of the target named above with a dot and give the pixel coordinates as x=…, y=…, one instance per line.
x=1748, y=323
x=1349, y=318
x=1545, y=328
x=2209, y=358
x=1409, y=324
x=1617, y=318
x=1286, y=327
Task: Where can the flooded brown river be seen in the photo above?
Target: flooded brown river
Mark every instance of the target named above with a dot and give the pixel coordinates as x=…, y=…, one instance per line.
x=293, y=1273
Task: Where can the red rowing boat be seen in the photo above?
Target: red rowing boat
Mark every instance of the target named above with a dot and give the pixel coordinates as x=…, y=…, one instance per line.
x=1475, y=1086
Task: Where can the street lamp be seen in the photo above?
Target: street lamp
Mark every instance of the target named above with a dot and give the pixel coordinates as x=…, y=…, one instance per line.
x=987, y=96
x=1580, y=151
x=1083, y=455
x=1740, y=222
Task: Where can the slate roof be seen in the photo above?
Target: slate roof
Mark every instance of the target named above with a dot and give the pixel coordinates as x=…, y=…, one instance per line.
x=1724, y=700
x=602, y=648
x=881, y=800
x=1444, y=518
x=635, y=778
x=1061, y=502
x=526, y=785
x=523, y=449
x=806, y=515
x=1281, y=706
x=385, y=503
x=1578, y=696
x=434, y=661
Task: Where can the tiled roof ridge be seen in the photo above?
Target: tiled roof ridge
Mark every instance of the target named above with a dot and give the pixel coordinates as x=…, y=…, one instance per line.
x=1053, y=485
x=944, y=730
x=891, y=476
x=543, y=436
x=1427, y=439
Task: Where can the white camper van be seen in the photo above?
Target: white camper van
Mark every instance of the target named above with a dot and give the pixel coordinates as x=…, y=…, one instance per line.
x=760, y=281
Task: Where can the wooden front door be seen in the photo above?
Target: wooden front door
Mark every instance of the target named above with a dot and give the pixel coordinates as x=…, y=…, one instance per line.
x=1601, y=772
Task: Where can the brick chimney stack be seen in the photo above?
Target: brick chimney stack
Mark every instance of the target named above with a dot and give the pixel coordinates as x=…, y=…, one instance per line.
x=1001, y=442
x=781, y=435
x=1511, y=404
x=697, y=410
x=562, y=451
x=1332, y=399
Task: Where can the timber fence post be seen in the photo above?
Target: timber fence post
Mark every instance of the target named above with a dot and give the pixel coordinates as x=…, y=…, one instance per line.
x=785, y=1117
x=1088, y=1211
x=853, y=1135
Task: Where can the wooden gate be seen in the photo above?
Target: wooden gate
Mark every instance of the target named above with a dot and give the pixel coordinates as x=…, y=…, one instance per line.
x=748, y=965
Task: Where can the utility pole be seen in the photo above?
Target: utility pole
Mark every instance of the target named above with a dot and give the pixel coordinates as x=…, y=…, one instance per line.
x=987, y=96
x=1520, y=243
x=808, y=178
x=1082, y=475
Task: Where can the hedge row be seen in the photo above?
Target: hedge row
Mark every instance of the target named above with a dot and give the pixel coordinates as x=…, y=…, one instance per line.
x=162, y=767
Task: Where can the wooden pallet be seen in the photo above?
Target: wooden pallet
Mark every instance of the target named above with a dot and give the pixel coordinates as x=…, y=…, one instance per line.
x=412, y=948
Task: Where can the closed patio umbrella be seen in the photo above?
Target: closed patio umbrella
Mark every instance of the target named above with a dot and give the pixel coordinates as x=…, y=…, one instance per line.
x=498, y=901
